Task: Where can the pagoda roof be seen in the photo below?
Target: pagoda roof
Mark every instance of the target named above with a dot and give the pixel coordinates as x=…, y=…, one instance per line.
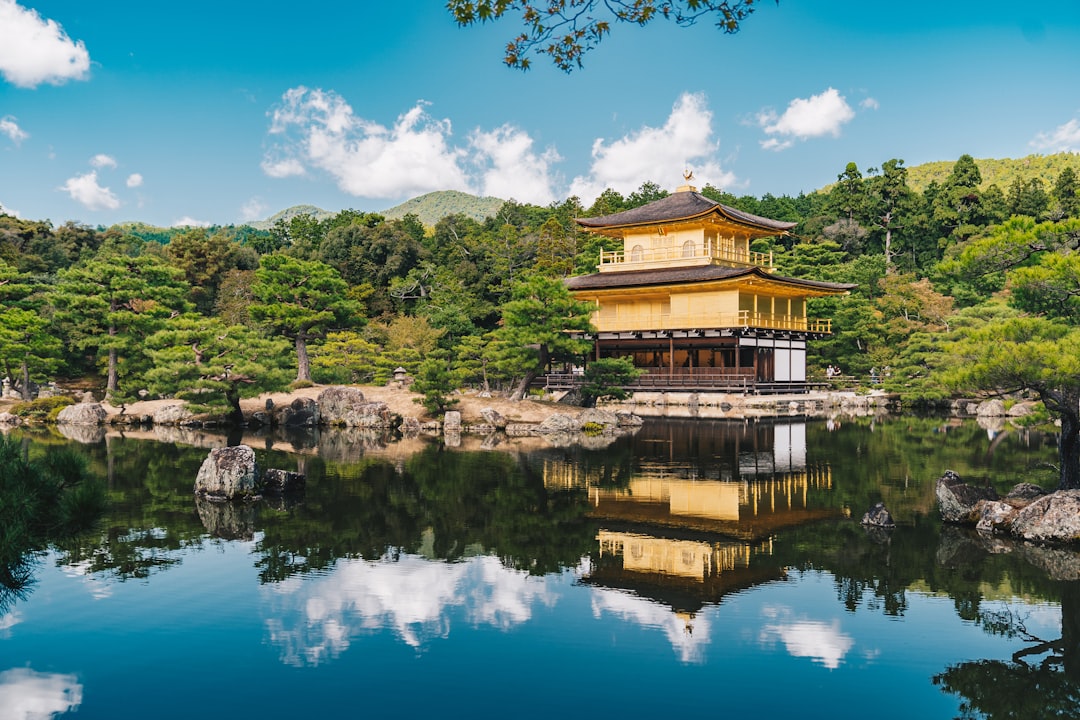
x=682, y=206
x=689, y=275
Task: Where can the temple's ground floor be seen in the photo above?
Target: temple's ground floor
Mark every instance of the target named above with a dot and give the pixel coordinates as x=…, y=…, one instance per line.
x=742, y=360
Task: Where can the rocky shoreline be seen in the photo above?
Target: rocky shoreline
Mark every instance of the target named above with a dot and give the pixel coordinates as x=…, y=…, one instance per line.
x=351, y=408
x=1027, y=512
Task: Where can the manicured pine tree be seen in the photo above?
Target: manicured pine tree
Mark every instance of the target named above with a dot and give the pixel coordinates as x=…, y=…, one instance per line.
x=302, y=300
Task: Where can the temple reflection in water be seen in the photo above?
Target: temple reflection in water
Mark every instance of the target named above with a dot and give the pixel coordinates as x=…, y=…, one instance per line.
x=690, y=515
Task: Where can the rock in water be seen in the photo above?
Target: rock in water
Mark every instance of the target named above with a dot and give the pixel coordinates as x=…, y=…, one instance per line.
x=878, y=516
x=227, y=474
x=281, y=482
x=958, y=501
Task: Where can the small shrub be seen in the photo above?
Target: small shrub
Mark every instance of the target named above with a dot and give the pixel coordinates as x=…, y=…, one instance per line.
x=42, y=409
x=298, y=384
x=592, y=429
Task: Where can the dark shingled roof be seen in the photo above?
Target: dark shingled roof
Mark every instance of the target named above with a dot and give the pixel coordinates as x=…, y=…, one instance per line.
x=682, y=206
x=678, y=276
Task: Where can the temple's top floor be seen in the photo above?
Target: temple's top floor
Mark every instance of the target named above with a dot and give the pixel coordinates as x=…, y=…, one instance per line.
x=684, y=229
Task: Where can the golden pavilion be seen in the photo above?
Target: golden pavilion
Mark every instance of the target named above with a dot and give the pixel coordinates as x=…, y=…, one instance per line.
x=693, y=306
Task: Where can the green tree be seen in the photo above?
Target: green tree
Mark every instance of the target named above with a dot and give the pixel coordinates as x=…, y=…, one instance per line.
x=555, y=249
x=302, y=300
x=1066, y=195
x=891, y=203
x=537, y=324
x=345, y=356
x=213, y=366
x=404, y=342
x=956, y=209
x=565, y=30
x=29, y=349
x=1028, y=197
x=435, y=379
x=1039, y=353
x=205, y=258
x=607, y=378
x=110, y=304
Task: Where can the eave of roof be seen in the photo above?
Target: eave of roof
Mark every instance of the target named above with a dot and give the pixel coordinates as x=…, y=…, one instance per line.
x=681, y=206
x=703, y=273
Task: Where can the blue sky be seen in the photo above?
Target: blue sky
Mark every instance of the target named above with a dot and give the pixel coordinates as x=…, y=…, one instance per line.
x=220, y=112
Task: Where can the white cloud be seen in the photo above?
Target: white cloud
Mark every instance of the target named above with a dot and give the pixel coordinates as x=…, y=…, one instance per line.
x=134, y=180
x=286, y=167
x=1063, y=138
x=318, y=129
x=26, y=694
x=187, y=221
x=102, y=160
x=9, y=127
x=656, y=154
x=4, y=210
x=869, y=104
x=515, y=169
x=85, y=190
x=34, y=50
x=314, y=130
x=253, y=209
x=805, y=118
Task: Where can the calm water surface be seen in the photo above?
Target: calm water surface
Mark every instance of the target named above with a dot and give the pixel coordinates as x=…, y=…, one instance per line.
x=698, y=569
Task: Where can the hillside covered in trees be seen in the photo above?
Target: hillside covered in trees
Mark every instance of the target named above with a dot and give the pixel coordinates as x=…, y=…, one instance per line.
x=944, y=274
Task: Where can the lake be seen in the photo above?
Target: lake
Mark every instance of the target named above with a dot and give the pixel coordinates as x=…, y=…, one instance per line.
x=695, y=569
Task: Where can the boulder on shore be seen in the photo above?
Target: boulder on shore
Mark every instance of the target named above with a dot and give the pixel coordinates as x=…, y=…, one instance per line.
x=957, y=500
x=346, y=406
x=1051, y=518
x=228, y=473
x=85, y=413
x=301, y=412
x=1027, y=512
x=172, y=414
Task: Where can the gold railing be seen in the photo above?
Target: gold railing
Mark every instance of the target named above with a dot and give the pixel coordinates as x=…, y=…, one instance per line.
x=637, y=321
x=675, y=255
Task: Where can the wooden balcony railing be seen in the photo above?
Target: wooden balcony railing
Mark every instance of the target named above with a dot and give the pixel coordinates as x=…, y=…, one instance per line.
x=736, y=380
x=664, y=257
x=643, y=321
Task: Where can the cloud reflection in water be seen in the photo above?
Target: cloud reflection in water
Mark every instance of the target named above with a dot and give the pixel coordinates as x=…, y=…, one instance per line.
x=29, y=695
x=314, y=619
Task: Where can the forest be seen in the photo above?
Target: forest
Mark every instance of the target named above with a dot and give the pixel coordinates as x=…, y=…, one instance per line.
x=962, y=286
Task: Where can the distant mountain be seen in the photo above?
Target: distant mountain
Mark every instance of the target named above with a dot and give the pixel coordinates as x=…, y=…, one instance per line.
x=291, y=212
x=434, y=206
x=999, y=172
x=430, y=208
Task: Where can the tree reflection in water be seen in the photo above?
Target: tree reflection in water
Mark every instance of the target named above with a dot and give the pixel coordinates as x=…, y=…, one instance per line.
x=46, y=500
x=541, y=511
x=1042, y=680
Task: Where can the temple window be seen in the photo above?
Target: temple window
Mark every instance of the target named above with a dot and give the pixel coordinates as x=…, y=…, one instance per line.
x=688, y=249
x=637, y=254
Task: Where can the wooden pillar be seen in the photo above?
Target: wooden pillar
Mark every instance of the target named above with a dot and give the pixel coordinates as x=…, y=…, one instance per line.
x=671, y=356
